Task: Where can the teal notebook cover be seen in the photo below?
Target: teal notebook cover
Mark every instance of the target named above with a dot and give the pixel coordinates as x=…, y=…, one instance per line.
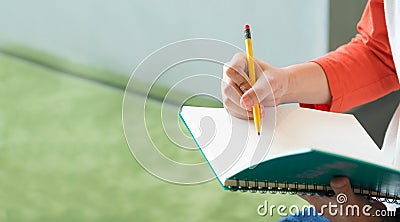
x=303, y=168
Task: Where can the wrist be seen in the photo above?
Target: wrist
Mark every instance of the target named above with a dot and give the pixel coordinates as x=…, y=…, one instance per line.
x=289, y=95
x=306, y=83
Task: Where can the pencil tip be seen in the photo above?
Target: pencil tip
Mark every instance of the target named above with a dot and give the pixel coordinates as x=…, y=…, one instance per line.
x=258, y=133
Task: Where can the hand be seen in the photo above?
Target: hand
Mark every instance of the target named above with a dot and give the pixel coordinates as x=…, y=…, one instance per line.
x=341, y=185
x=238, y=95
x=301, y=83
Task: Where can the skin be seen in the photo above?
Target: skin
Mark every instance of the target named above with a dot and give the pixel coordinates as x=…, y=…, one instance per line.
x=341, y=185
x=301, y=83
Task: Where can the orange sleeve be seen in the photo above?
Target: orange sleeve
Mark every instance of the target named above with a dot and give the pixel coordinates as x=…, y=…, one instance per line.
x=362, y=70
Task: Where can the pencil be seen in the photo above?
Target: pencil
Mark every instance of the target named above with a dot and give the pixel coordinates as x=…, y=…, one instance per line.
x=252, y=75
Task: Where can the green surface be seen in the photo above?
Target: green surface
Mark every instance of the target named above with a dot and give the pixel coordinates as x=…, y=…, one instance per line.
x=63, y=157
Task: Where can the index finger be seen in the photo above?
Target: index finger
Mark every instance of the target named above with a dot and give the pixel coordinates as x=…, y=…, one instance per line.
x=236, y=70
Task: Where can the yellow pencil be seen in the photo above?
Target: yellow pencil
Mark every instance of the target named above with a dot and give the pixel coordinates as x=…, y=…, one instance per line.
x=252, y=75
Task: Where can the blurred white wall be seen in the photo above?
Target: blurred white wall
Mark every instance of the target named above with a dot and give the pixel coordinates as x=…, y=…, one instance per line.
x=117, y=35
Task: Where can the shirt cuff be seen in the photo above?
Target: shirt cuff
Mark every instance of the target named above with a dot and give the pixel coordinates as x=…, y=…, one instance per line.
x=335, y=88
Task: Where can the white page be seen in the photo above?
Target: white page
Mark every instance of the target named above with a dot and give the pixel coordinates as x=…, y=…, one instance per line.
x=233, y=144
x=330, y=132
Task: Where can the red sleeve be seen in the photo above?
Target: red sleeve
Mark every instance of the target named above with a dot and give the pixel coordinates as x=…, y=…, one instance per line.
x=362, y=70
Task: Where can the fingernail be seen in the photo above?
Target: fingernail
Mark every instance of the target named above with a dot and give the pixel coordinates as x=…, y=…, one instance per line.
x=338, y=182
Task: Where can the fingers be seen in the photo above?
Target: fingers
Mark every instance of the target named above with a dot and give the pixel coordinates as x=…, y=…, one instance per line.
x=341, y=185
x=231, y=99
x=234, y=84
x=236, y=110
x=249, y=99
x=231, y=90
x=236, y=70
x=316, y=200
x=259, y=92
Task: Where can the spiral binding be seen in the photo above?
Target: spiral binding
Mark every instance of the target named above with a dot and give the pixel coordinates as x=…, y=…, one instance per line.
x=274, y=187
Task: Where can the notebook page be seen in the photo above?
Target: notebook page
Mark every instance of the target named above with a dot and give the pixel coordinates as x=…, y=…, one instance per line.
x=231, y=144
x=336, y=133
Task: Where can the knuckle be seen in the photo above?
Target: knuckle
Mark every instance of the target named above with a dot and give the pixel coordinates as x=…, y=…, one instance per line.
x=240, y=55
x=226, y=101
x=229, y=70
x=244, y=86
x=226, y=89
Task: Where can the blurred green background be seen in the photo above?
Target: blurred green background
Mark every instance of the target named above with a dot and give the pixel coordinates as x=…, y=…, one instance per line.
x=63, y=69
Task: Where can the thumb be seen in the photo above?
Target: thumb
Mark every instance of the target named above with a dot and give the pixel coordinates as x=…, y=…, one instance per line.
x=341, y=185
x=253, y=96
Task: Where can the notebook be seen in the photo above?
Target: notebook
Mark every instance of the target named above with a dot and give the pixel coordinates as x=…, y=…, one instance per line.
x=299, y=150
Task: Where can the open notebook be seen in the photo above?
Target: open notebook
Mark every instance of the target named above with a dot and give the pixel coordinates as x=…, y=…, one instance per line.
x=299, y=150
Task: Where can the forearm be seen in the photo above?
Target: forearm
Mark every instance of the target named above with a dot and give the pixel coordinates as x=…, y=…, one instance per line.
x=307, y=83
x=356, y=73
